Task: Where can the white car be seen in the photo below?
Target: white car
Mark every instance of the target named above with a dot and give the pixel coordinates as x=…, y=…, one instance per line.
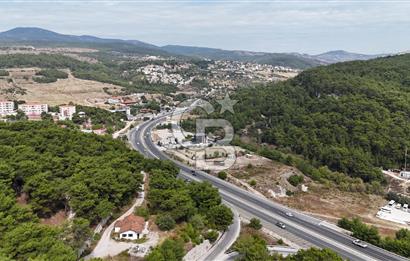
x=359, y=243
x=281, y=225
x=289, y=214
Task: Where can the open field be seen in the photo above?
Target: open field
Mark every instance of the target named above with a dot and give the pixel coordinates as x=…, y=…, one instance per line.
x=63, y=91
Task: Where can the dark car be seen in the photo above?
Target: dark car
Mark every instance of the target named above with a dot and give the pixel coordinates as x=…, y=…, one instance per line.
x=193, y=173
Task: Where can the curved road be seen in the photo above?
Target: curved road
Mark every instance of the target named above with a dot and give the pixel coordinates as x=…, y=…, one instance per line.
x=301, y=225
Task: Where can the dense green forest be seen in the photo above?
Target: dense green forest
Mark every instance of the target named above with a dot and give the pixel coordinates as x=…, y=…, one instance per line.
x=171, y=196
x=353, y=117
x=108, y=72
x=60, y=169
x=197, y=207
x=113, y=121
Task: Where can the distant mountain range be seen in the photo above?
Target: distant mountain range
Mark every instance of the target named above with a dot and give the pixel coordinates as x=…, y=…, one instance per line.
x=41, y=37
x=343, y=56
x=293, y=60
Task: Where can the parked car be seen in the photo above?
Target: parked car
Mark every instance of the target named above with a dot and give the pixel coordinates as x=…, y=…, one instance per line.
x=359, y=243
x=281, y=225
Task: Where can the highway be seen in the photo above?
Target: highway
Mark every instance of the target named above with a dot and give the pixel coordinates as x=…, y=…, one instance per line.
x=301, y=225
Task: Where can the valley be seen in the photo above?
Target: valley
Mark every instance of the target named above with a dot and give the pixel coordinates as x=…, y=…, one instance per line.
x=118, y=149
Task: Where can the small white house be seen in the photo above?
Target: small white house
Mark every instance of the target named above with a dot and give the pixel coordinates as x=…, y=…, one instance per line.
x=131, y=227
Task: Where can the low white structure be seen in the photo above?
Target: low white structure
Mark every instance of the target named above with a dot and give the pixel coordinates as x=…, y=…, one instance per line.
x=6, y=107
x=405, y=174
x=131, y=227
x=395, y=213
x=66, y=112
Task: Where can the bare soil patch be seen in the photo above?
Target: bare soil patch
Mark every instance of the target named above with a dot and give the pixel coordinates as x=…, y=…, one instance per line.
x=61, y=92
x=55, y=220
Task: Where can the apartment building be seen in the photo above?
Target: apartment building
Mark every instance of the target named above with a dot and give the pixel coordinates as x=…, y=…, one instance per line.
x=33, y=109
x=6, y=107
x=66, y=112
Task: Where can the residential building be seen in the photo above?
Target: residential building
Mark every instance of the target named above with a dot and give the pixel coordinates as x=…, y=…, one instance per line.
x=33, y=109
x=6, y=107
x=131, y=227
x=66, y=112
x=130, y=100
x=114, y=100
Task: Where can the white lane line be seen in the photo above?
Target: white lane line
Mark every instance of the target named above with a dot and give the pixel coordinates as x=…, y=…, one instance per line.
x=141, y=137
x=299, y=227
x=286, y=221
x=326, y=239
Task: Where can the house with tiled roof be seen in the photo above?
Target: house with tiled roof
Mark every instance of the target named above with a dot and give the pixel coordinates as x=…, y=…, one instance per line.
x=131, y=227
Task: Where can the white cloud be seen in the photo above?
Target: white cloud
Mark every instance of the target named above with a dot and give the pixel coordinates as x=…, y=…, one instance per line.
x=280, y=26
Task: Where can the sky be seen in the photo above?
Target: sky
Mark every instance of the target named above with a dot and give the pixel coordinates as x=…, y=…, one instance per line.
x=313, y=27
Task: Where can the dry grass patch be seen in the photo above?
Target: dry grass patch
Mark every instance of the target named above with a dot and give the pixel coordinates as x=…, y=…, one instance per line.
x=61, y=92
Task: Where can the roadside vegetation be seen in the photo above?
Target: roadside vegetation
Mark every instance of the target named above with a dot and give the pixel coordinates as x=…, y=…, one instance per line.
x=398, y=198
x=252, y=247
x=400, y=244
x=196, y=208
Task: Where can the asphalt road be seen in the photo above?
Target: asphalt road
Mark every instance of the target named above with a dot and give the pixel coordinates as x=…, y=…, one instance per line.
x=301, y=225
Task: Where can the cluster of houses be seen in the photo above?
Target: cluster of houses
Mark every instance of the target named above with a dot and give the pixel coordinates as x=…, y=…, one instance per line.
x=123, y=103
x=34, y=110
x=166, y=73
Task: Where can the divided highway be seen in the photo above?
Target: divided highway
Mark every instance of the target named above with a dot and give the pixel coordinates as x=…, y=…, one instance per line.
x=301, y=225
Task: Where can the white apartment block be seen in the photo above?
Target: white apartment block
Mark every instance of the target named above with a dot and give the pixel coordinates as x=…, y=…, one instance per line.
x=66, y=112
x=6, y=107
x=33, y=109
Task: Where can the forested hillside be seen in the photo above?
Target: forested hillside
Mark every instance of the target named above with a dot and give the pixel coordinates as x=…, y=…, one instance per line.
x=353, y=117
x=51, y=169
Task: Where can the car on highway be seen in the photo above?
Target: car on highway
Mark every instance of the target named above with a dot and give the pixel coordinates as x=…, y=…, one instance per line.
x=281, y=225
x=359, y=243
x=289, y=214
x=193, y=173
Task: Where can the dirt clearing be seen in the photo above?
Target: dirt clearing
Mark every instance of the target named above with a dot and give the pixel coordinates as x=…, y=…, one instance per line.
x=61, y=92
